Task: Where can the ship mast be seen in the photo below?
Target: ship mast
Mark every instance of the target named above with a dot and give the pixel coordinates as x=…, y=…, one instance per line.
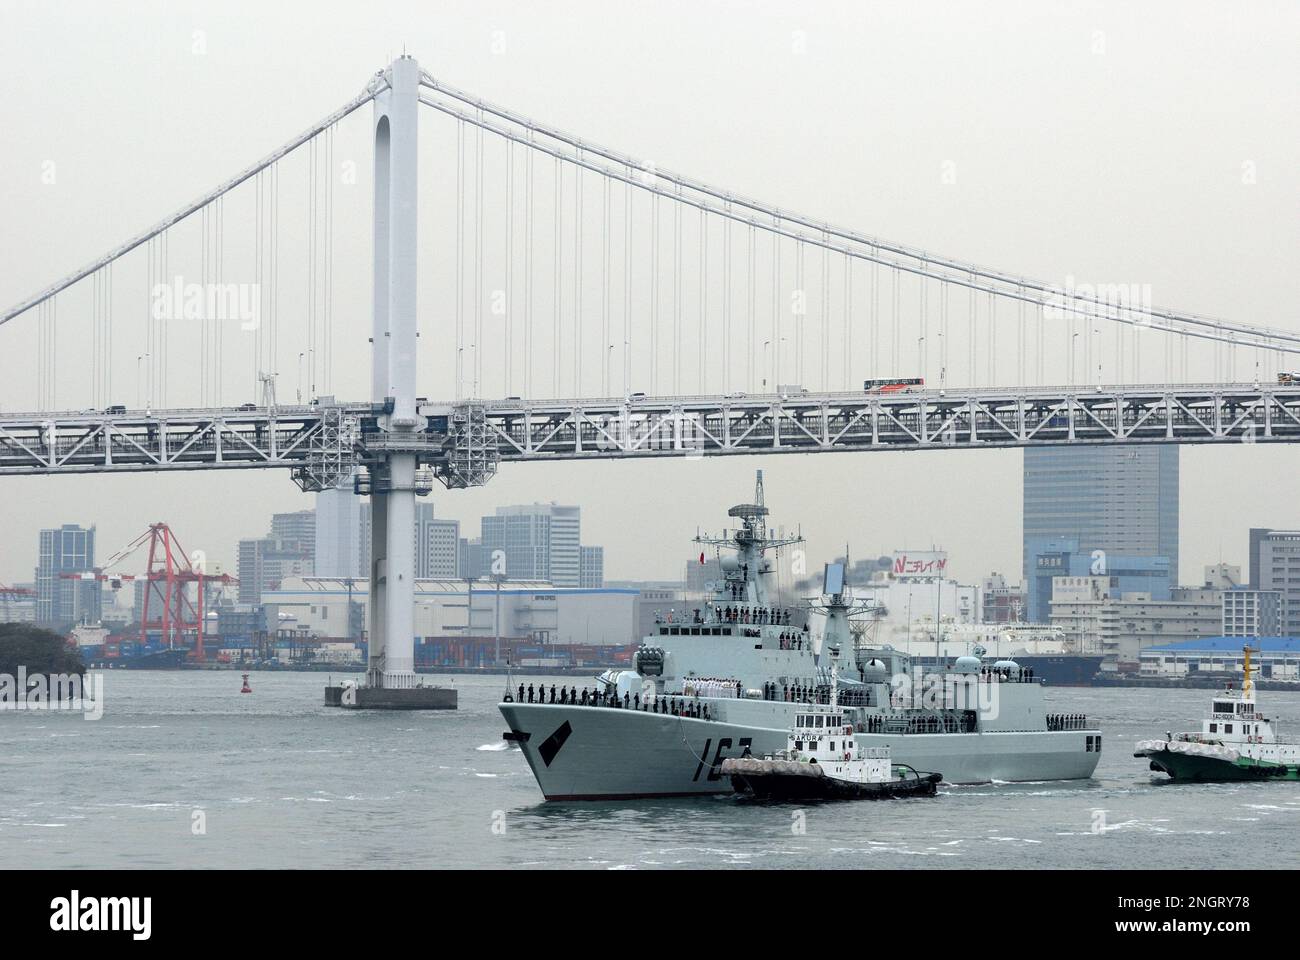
x=751, y=541
x=838, y=605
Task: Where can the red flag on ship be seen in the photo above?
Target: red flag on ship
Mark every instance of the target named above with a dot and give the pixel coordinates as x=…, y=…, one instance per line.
x=701, y=559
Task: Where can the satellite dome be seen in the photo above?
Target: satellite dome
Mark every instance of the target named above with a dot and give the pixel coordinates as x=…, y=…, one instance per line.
x=1008, y=665
x=875, y=671
x=967, y=664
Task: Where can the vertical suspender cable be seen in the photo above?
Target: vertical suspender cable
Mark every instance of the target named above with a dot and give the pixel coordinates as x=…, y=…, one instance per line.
x=826, y=320
x=750, y=309
x=704, y=298
x=311, y=268
x=108, y=320
x=776, y=314
x=972, y=315
x=848, y=321
x=510, y=276
x=944, y=293
x=875, y=317
x=577, y=279
x=923, y=344
x=327, y=262
x=654, y=293
x=221, y=279
x=677, y=298
x=165, y=330
x=799, y=312
x=528, y=273
x=557, y=195
x=275, y=272
x=1020, y=341
x=255, y=344
x=460, y=258
x=204, y=279
x=605, y=343
x=627, y=285
x=478, y=259
x=993, y=341
x=896, y=296
x=726, y=304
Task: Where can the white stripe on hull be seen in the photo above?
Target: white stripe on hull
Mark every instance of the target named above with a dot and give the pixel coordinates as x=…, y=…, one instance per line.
x=613, y=753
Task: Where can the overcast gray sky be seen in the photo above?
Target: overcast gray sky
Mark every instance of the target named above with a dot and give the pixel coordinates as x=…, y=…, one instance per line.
x=1106, y=142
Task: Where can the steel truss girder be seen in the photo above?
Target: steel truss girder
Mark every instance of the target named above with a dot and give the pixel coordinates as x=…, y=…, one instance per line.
x=466, y=441
x=316, y=440
x=810, y=423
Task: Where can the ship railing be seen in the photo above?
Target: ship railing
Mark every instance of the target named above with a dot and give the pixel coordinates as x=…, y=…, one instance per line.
x=1057, y=722
x=954, y=721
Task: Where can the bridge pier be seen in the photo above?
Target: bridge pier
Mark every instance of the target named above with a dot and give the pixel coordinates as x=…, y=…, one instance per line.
x=390, y=674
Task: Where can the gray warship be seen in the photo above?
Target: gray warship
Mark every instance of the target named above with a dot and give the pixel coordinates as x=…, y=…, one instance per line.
x=727, y=678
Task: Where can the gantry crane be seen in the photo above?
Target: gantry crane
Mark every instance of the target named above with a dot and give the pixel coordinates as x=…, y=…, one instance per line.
x=168, y=609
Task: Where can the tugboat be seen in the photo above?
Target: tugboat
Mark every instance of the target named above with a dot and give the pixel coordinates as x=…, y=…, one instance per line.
x=1236, y=742
x=823, y=761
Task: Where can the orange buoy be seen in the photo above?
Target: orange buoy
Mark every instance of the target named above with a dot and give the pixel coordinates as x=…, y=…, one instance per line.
x=246, y=688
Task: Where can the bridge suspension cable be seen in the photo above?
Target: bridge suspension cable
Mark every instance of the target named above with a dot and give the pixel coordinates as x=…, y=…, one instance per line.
x=374, y=87
x=725, y=203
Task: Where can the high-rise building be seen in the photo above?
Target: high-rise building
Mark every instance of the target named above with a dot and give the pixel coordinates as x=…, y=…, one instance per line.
x=1111, y=501
x=591, y=567
x=1275, y=565
x=540, y=541
x=1252, y=613
x=338, y=534
x=265, y=562
x=343, y=539
x=471, y=563
x=62, y=601
x=437, y=545
x=296, y=531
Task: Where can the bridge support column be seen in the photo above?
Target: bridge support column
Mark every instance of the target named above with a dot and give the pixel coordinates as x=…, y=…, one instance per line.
x=393, y=379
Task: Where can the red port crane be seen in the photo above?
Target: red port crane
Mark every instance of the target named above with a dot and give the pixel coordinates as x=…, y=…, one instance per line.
x=168, y=608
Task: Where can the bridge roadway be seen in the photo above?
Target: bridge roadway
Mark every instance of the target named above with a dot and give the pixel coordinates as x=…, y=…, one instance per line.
x=462, y=442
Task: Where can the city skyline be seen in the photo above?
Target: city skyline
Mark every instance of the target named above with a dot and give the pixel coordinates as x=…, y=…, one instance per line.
x=641, y=566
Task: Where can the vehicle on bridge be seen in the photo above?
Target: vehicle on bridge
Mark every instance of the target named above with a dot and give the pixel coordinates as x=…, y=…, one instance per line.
x=893, y=385
x=1288, y=378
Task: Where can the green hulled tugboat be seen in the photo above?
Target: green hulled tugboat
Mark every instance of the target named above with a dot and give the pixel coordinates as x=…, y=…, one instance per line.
x=1236, y=742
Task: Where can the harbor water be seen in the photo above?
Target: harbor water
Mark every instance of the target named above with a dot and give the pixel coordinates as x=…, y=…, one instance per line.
x=183, y=771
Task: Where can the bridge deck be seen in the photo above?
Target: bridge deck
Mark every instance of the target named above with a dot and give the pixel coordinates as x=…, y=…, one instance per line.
x=464, y=440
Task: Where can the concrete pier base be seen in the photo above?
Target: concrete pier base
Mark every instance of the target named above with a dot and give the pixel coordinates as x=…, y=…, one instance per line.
x=354, y=697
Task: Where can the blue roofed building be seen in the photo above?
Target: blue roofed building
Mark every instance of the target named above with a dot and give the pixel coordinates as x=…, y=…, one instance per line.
x=1276, y=658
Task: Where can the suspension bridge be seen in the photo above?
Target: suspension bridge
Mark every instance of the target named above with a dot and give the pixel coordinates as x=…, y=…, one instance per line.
x=638, y=313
